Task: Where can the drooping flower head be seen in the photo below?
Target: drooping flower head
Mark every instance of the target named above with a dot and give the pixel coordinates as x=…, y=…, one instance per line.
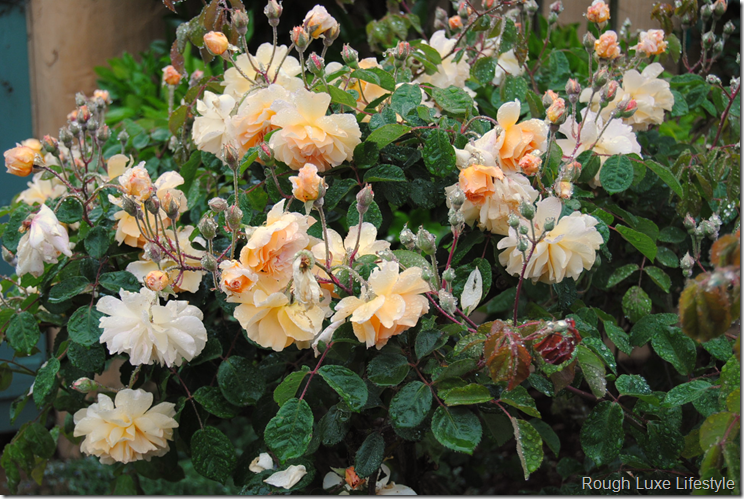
x=44, y=241
x=126, y=429
x=564, y=252
x=149, y=332
x=20, y=160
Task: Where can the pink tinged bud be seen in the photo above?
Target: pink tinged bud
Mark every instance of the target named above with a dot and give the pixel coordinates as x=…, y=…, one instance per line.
x=171, y=76
x=300, y=38
x=365, y=198
x=350, y=56
x=609, y=91
x=557, y=112
x=573, y=87
x=315, y=64
x=265, y=154
x=556, y=7
x=402, y=51
x=455, y=23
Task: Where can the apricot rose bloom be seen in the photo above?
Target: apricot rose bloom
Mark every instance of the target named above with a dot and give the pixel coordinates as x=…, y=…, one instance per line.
x=606, y=46
x=216, y=42
x=476, y=182
x=236, y=85
x=517, y=139
x=392, y=303
x=306, y=185
x=252, y=121
x=565, y=251
x=598, y=12
x=235, y=278
x=341, y=249
x=318, y=21
x=20, y=160
x=307, y=135
x=126, y=429
x=651, y=42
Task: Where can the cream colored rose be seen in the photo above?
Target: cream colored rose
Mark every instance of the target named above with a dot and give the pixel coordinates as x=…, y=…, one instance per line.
x=651, y=93
x=211, y=132
x=565, y=251
x=393, y=303
x=236, y=85
x=493, y=213
x=44, y=241
x=40, y=190
x=271, y=249
x=148, y=332
x=252, y=121
x=126, y=429
x=307, y=135
x=136, y=182
x=448, y=72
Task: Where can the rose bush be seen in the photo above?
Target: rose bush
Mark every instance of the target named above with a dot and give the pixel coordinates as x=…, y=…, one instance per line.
x=235, y=235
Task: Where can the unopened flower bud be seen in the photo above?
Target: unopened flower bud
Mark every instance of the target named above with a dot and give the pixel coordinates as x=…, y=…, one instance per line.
x=50, y=144
x=123, y=137
x=523, y=229
x=549, y=224
x=706, y=12
x=273, y=11
x=230, y=155
x=729, y=28
x=103, y=133
x=80, y=99
x=8, y=257
x=91, y=125
x=83, y=114
x=152, y=204
x=457, y=198
x=552, y=18
x=718, y=47
x=689, y=223
x=300, y=38
x=565, y=189
x=241, y=21
x=440, y=15
x=572, y=171
x=609, y=91
x=588, y=41
x=402, y=51
x=600, y=78
x=129, y=206
x=426, y=274
x=530, y=163
x=687, y=262
x=449, y=275
x=455, y=23
x=556, y=7
x=573, y=88
x=330, y=35
x=626, y=108
x=171, y=205
x=463, y=9
x=153, y=252
x=407, y=238
x=350, y=56
x=74, y=128
x=157, y=280
x=216, y=42
x=426, y=241
x=456, y=218
x=171, y=76
x=513, y=220
x=364, y=198
x=719, y=8
x=315, y=64
x=522, y=244
x=234, y=217
x=207, y=227
x=548, y=98
x=208, y=262
x=217, y=205
x=447, y=301
x=265, y=153
x=709, y=39
x=85, y=385
x=556, y=113
x=527, y=210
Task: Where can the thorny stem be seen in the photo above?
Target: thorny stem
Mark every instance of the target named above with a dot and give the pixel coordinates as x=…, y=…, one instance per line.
x=725, y=115
x=521, y=279
x=317, y=366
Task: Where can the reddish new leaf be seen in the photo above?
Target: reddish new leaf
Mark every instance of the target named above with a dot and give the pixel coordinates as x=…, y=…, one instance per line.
x=705, y=309
x=177, y=58
x=558, y=346
x=726, y=251
x=506, y=355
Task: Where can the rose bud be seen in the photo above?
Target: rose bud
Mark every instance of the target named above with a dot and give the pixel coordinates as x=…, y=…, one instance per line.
x=20, y=160
x=216, y=42
x=157, y=280
x=556, y=348
x=171, y=76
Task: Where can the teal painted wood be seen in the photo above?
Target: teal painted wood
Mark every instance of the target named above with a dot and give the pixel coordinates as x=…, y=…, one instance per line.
x=15, y=126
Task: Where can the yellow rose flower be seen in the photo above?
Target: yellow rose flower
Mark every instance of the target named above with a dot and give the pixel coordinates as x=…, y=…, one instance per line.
x=126, y=429
x=236, y=85
x=307, y=135
x=565, y=251
x=393, y=303
x=34, y=144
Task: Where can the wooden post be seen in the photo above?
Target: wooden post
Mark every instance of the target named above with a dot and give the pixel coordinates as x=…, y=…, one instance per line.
x=67, y=39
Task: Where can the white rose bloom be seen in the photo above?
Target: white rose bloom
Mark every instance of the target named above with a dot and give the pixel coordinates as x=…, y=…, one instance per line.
x=211, y=131
x=507, y=64
x=651, y=93
x=617, y=139
x=149, y=332
x=44, y=241
x=236, y=85
x=448, y=72
x=126, y=429
x=40, y=190
x=564, y=252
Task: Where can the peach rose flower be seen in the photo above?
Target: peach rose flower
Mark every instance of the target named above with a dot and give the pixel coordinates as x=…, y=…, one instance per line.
x=20, y=160
x=565, y=251
x=216, y=42
x=607, y=47
x=236, y=85
x=171, y=76
x=307, y=135
x=318, y=21
x=517, y=139
x=476, y=182
x=306, y=185
x=393, y=303
x=598, y=12
x=252, y=121
x=126, y=429
x=651, y=42
x=235, y=278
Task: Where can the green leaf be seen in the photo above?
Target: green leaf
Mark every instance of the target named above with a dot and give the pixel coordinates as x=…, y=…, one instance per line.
x=639, y=240
x=212, y=400
x=23, y=333
x=377, y=76
x=521, y=399
x=648, y=326
x=619, y=337
x=97, y=242
x=666, y=175
x=559, y=68
x=213, y=454
x=334, y=425
x=676, y=348
x=341, y=96
x=590, y=165
x=466, y=395
x=529, y=446
x=84, y=327
x=602, y=435
x=593, y=370
x=636, y=304
x=548, y=435
x=116, y=281
x=686, y=392
x=659, y=277
x=438, y=153
x=622, y=273
x=457, y=429
x=428, y=341
x=667, y=258
x=373, y=215
x=287, y=389
x=513, y=88
x=241, y=382
x=288, y=434
x=45, y=381
x=70, y=211
x=634, y=385
x=673, y=235
x=347, y=384
x=410, y=259
x=124, y=484
x=483, y=70
x=387, y=134
x=616, y=174
x=337, y=191
x=68, y=288
x=410, y=405
x=715, y=427
x=89, y=359
x=388, y=369
x=385, y=173
x=720, y=348
x=12, y=236
x=604, y=353
x=177, y=119
x=370, y=455
x=405, y=98
x=39, y=440
x=453, y=100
